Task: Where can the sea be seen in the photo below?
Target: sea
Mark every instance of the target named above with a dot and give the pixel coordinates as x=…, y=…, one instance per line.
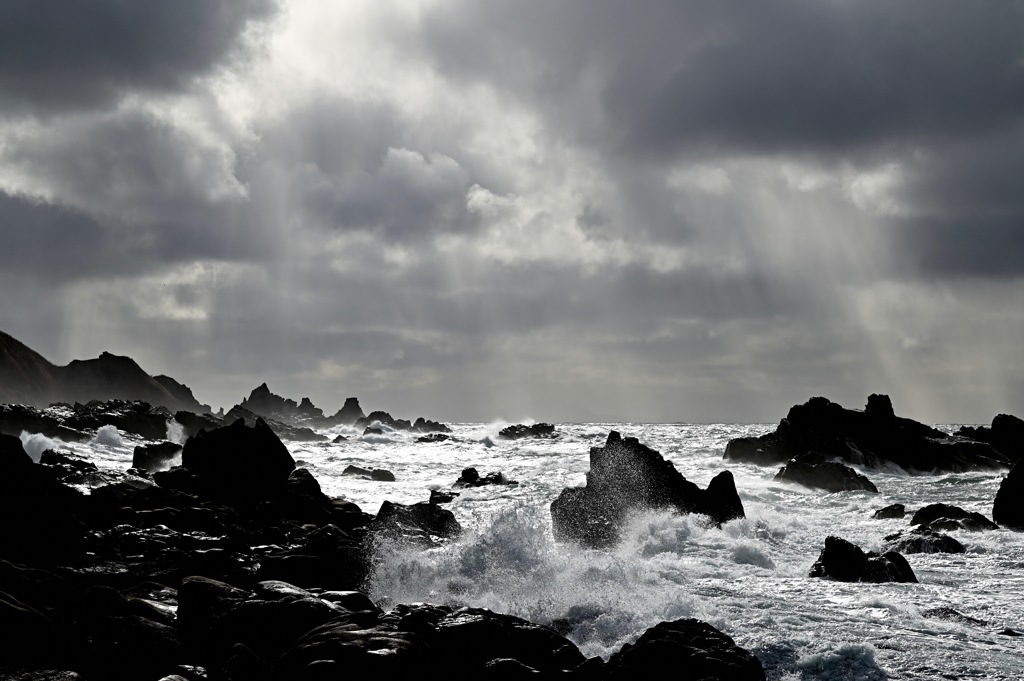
x=748, y=578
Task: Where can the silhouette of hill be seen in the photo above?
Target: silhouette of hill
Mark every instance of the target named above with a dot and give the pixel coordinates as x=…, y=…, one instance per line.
x=26, y=377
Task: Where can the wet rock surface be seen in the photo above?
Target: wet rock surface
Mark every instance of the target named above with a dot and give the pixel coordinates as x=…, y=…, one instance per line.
x=846, y=562
x=815, y=471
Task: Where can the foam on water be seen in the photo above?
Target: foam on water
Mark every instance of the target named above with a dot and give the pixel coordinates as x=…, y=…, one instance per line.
x=35, y=444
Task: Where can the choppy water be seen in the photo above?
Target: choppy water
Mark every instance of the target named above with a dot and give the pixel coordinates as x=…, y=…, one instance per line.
x=748, y=579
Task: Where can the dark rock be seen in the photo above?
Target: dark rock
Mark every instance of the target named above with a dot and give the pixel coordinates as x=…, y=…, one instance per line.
x=376, y=419
x=872, y=438
x=1006, y=435
x=70, y=469
x=847, y=562
x=373, y=430
x=958, y=517
x=338, y=650
x=382, y=475
x=1010, y=632
x=891, y=511
x=950, y=615
x=704, y=652
x=434, y=437
x=329, y=559
x=416, y=522
x=339, y=438
x=923, y=540
x=625, y=476
x=520, y=431
x=1008, y=508
x=155, y=457
x=439, y=497
x=812, y=470
x=238, y=463
x=378, y=474
x=349, y=413
x=282, y=429
x=470, y=478
x=426, y=426
x=16, y=418
x=193, y=423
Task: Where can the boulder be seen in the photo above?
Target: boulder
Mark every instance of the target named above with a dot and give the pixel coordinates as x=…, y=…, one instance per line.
x=923, y=540
x=471, y=478
x=873, y=438
x=890, y=512
x=329, y=558
x=626, y=475
x=944, y=516
x=433, y=437
x=846, y=562
x=378, y=474
x=520, y=431
x=155, y=457
x=704, y=652
x=812, y=470
x=238, y=463
x=1008, y=509
x=418, y=523
x=1006, y=434
x=427, y=426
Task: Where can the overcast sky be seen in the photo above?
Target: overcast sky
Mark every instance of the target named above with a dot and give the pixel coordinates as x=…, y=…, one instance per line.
x=575, y=210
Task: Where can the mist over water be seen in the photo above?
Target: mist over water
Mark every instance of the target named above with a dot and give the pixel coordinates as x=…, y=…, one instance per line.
x=748, y=578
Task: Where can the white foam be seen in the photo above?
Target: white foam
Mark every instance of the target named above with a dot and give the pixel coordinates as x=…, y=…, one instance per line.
x=108, y=435
x=176, y=432
x=35, y=444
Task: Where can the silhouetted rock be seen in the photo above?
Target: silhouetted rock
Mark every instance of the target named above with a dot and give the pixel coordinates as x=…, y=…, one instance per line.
x=373, y=430
x=15, y=418
x=338, y=439
x=282, y=429
x=812, y=470
x=238, y=462
x=923, y=540
x=427, y=426
x=520, y=431
x=847, y=562
x=1008, y=508
x=704, y=652
x=378, y=474
x=944, y=516
x=470, y=478
x=193, y=423
x=891, y=511
x=625, y=476
x=872, y=438
x=330, y=558
x=433, y=437
x=382, y=418
x=155, y=457
x=415, y=522
x=1006, y=434
x=349, y=413
x=439, y=497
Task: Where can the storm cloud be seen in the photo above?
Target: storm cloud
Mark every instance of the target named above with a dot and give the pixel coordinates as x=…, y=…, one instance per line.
x=576, y=210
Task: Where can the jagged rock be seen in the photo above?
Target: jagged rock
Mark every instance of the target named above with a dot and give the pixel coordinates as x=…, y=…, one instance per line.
x=891, y=511
x=378, y=474
x=15, y=418
x=239, y=463
x=520, y=431
x=923, y=540
x=193, y=423
x=1008, y=508
x=434, y=437
x=439, y=497
x=382, y=418
x=1006, y=434
x=373, y=430
x=470, y=478
x=329, y=558
x=625, y=476
x=415, y=522
x=872, y=438
x=812, y=470
x=283, y=430
x=944, y=516
x=339, y=439
x=155, y=457
x=704, y=652
x=349, y=413
x=426, y=426
x=847, y=562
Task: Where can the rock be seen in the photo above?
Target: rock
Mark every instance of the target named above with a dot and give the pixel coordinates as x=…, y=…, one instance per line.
x=337, y=650
x=415, y=522
x=923, y=540
x=704, y=652
x=237, y=463
x=847, y=562
x=378, y=474
x=193, y=423
x=434, y=437
x=330, y=559
x=812, y=470
x=1008, y=508
x=625, y=476
x=891, y=511
x=872, y=438
x=520, y=431
x=16, y=418
x=155, y=457
x=426, y=426
x=138, y=418
x=349, y=413
x=339, y=439
x=284, y=430
x=373, y=430
x=1006, y=435
x=944, y=516
x=470, y=478
x=439, y=497
x=950, y=615
x=377, y=419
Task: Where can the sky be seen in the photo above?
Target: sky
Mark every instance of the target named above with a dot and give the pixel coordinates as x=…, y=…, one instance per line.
x=584, y=210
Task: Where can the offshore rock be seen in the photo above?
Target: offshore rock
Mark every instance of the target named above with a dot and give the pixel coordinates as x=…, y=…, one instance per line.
x=846, y=562
x=873, y=438
x=520, y=431
x=1008, y=508
x=423, y=425
x=890, y=512
x=349, y=413
x=813, y=470
x=470, y=478
x=284, y=430
x=704, y=652
x=625, y=476
x=923, y=540
x=155, y=457
x=1006, y=434
x=944, y=516
x=381, y=418
x=237, y=463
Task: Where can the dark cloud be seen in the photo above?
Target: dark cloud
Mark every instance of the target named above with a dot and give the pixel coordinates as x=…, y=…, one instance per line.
x=58, y=55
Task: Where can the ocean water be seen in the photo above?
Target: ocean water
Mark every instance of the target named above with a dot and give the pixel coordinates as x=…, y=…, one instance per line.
x=749, y=578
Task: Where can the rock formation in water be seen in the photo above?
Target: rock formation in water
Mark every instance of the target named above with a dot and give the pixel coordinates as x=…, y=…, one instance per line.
x=923, y=540
x=625, y=476
x=846, y=562
x=872, y=438
x=890, y=512
x=947, y=517
x=1006, y=434
x=813, y=470
x=349, y=413
x=1008, y=508
x=519, y=431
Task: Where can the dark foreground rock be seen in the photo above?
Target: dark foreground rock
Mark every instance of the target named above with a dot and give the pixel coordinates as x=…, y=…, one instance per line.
x=520, y=431
x=155, y=457
x=923, y=540
x=846, y=562
x=814, y=471
x=625, y=476
x=873, y=438
x=1008, y=508
x=947, y=517
x=1005, y=434
x=419, y=523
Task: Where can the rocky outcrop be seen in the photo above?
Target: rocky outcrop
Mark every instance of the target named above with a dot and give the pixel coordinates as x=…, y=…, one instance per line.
x=1008, y=508
x=846, y=562
x=946, y=517
x=813, y=470
x=419, y=523
x=349, y=413
x=378, y=474
x=625, y=476
x=155, y=457
x=890, y=512
x=1006, y=434
x=872, y=438
x=471, y=478
x=923, y=540
x=282, y=429
x=520, y=431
